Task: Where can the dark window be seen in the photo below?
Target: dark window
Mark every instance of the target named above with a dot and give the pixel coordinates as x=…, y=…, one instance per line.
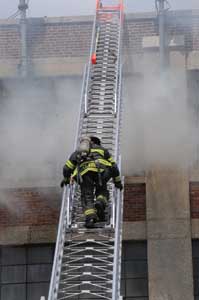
x=36, y=290
x=13, y=292
x=37, y=273
x=134, y=284
x=195, y=255
x=25, y=272
x=13, y=256
x=13, y=274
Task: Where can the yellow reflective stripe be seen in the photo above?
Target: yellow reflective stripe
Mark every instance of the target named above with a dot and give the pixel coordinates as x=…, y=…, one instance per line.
x=100, y=151
x=74, y=173
x=90, y=163
x=111, y=160
x=104, y=162
x=116, y=179
x=70, y=165
x=91, y=166
x=90, y=169
x=90, y=211
x=86, y=170
x=102, y=198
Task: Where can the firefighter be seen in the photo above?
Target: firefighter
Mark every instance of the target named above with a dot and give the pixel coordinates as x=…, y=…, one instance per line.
x=92, y=167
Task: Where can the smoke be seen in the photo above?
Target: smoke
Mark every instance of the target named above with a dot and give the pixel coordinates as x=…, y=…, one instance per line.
x=158, y=126
x=38, y=123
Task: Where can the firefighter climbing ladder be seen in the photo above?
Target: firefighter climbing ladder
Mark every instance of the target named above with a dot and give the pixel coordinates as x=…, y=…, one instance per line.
x=87, y=261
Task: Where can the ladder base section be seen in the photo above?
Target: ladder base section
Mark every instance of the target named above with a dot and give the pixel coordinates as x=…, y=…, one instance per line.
x=87, y=265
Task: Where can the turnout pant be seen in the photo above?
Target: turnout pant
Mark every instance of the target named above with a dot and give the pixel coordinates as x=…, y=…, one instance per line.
x=94, y=185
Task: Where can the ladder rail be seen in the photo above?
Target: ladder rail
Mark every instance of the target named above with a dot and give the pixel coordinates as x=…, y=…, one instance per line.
x=89, y=63
x=116, y=154
x=59, y=246
x=118, y=199
x=81, y=107
x=118, y=113
x=118, y=244
x=118, y=61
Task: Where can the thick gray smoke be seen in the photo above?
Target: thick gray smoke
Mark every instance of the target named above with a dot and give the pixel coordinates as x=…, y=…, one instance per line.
x=38, y=121
x=158, y=126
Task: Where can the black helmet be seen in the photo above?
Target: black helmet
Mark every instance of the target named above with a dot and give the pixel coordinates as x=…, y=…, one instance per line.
x=95, y=140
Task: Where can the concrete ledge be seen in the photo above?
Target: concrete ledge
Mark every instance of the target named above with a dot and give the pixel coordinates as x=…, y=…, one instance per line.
x=134, y=179
x=74, y=66
x=43, y=234
x=21, y=235
x=134, y=231
x=14, y=235
x=9, y=68
x=131, y=231
x=56, y=66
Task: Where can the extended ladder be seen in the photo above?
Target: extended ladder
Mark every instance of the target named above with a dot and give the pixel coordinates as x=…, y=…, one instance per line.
x=87, y=261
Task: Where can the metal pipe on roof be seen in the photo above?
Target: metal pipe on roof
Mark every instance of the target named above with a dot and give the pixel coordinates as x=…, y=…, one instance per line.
x=160, y=5
x=23, y=6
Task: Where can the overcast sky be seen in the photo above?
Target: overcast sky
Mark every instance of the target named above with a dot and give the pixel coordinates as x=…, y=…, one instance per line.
x=40, y=8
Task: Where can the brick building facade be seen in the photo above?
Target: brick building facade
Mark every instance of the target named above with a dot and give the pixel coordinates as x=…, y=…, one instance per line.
x=160, y=208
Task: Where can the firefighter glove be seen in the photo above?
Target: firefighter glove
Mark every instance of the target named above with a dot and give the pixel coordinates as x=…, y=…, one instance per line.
x=119, y=185
x=65, y=181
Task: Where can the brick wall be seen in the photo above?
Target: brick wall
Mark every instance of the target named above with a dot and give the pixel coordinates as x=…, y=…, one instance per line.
x=134, y=202
x=183, y=25
x=41, y=206
x=29, y=206
x=61, y=37
x=194, y=199
x=10, y=42
x=195, y=30
x=135, y=30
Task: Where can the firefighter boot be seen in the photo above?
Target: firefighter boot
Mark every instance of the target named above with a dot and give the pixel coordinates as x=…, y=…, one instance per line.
x=91, y=218
x=100, y=206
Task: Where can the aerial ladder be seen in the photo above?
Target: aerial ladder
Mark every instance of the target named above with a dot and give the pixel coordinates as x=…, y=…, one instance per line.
x=87, y=262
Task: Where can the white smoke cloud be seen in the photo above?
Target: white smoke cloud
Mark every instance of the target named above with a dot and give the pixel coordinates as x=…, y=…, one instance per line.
x=38, y=126
x=38, y=123
x=158, y=127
